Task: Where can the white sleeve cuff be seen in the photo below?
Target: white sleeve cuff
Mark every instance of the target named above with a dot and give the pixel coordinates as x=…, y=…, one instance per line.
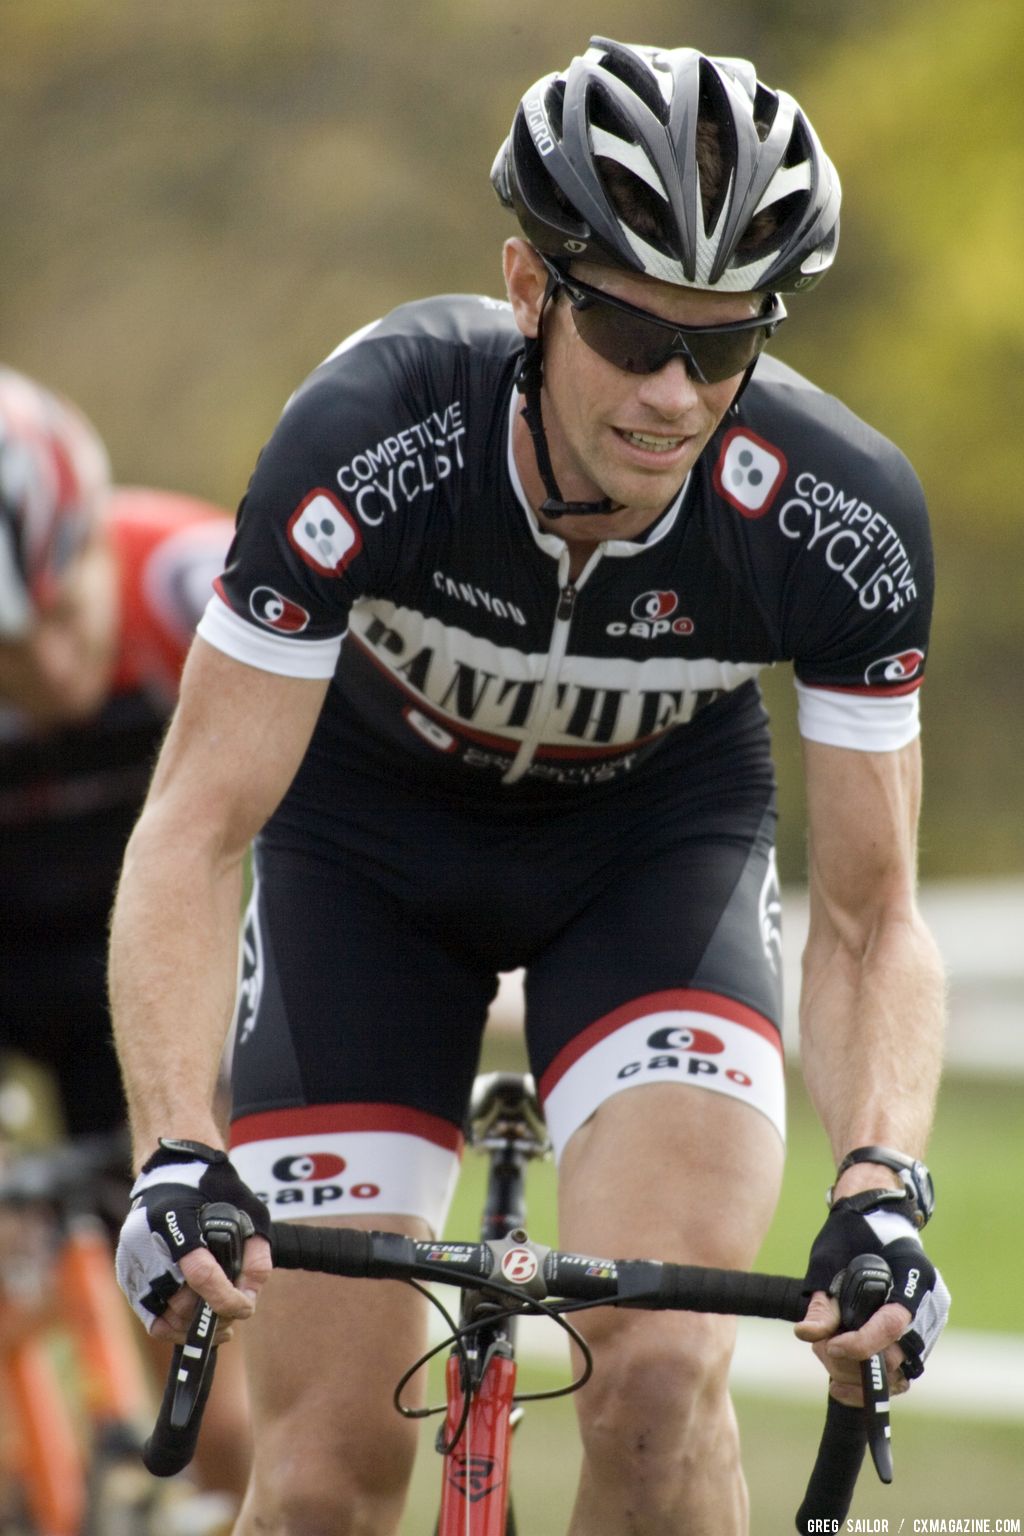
x=270, y=652
x=867, y=722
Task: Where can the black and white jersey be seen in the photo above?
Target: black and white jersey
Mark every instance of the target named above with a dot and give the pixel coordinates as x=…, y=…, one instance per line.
x=385, y=542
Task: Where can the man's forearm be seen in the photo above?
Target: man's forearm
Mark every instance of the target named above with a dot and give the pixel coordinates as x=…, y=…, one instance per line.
x=872, y=1023
x=172, y=983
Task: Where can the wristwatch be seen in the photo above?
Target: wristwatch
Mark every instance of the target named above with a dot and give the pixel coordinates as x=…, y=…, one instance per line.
x=916, y=1179
x=195, y=1151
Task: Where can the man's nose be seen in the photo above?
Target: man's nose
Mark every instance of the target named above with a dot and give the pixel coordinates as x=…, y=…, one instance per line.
x=670, y=391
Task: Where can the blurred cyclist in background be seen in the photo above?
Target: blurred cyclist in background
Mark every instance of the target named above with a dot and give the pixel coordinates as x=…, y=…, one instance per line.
x=100, y=589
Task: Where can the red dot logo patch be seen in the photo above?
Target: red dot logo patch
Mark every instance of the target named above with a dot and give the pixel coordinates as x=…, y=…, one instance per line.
x=749, y=472
x=323, y=533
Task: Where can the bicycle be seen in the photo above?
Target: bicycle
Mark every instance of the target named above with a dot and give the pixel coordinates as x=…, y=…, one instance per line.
x=503, y=1276
x=78, y=1395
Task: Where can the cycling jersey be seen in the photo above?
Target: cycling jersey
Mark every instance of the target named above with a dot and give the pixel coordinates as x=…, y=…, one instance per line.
x=69, y=796
x=515, y=769
x=385, y=541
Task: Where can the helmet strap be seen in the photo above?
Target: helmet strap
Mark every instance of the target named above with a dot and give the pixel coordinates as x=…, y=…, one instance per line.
x=528, y=382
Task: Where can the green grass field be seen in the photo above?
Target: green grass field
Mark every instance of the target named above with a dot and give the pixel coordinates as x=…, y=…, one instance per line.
x=944, y=1468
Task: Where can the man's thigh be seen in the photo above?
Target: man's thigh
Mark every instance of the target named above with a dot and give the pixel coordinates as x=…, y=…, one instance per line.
x=323, y=1356
x=669, y=1171
x=671, y=977
x=356, y=1042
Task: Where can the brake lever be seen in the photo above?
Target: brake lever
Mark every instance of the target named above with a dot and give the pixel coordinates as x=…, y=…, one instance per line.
x=224, y=1230
x=861, y=1289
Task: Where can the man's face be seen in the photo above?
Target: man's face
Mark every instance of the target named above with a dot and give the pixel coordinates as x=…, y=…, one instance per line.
x=630, y=437
x=61, y=670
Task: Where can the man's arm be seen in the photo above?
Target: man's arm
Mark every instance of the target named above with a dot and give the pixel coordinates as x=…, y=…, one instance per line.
x=233, y=748
x=872, y=1004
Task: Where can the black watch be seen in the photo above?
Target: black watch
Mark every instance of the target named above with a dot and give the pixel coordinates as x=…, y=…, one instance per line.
x=196, y=1151
x=916, y=1179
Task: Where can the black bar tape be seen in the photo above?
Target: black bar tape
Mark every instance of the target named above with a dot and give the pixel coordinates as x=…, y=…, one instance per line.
x=834, y=1478
x=324, y=1250
x=168, y=1449
x=684, y=1287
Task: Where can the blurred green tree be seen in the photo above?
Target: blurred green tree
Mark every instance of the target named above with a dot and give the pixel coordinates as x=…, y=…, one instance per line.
x=200, y=200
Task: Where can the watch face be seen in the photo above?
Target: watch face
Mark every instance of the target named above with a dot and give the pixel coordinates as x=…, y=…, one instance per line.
x=915, y=1176
x=925, y=1188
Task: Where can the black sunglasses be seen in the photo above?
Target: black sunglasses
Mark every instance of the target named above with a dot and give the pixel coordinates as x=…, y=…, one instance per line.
x=639, y=342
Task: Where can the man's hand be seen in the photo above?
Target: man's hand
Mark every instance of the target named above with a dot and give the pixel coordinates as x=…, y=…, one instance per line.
x=905, y=1329
x=163, y=1264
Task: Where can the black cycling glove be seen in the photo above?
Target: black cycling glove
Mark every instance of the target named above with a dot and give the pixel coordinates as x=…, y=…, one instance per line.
x=878, y=1221
x=163, y=1224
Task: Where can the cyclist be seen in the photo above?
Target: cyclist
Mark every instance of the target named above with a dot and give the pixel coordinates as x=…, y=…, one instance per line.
x=480, y=680
x=100, y=588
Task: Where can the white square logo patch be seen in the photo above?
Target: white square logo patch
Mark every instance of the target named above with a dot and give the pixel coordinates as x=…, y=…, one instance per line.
x=323, y=533
x=749, y=472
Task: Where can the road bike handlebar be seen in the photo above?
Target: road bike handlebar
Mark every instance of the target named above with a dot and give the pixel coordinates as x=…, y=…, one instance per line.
x=528, y=1275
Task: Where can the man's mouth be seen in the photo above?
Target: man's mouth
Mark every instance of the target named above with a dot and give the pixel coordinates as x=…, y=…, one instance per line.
x=653, y=442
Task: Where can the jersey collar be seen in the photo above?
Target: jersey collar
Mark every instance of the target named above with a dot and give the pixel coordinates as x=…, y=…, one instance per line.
x=553, y=544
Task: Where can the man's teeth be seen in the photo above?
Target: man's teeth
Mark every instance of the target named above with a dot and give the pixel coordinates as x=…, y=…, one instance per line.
x=659, y=444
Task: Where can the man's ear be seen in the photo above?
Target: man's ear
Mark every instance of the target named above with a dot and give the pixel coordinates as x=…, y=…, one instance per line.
x=526, y=280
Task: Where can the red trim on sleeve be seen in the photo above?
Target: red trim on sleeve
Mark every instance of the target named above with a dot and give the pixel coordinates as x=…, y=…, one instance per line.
x=864, y=690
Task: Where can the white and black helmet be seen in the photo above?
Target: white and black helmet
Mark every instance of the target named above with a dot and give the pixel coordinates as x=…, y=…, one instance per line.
x=627, y=117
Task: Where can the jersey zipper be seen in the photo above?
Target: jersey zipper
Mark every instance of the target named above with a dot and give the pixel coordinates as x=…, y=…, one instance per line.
x=567, y=594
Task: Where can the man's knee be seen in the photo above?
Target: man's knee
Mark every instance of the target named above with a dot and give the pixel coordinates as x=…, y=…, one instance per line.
x=312, y=1477
x=660, y=1386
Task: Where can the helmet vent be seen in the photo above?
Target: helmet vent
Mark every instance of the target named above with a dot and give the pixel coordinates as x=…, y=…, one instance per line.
x=637, y=204
x=634, y=73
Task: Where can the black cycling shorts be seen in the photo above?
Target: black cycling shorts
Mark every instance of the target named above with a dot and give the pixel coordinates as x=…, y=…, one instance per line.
x=648, y=928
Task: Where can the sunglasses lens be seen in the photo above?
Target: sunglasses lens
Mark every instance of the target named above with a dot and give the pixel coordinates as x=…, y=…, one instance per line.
x=643, y=346
x=623, y=339
x=723, y=356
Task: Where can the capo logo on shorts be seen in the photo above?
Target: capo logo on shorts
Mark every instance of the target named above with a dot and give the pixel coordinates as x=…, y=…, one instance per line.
x=323, y=534
x=749, y=472
x=308, y=1167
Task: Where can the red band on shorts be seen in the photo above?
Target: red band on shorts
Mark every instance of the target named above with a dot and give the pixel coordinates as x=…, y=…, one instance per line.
x=320, y=1119
x=676, y=999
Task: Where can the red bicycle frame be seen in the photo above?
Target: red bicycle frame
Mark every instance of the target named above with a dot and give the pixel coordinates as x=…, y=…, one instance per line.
x=475, y=1489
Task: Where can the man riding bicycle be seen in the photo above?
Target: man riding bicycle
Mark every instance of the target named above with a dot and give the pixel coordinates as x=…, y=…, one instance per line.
x=480, y=682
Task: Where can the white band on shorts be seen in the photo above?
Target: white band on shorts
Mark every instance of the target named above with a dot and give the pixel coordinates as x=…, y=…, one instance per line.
x=349, y=1160
x=679, y=1036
